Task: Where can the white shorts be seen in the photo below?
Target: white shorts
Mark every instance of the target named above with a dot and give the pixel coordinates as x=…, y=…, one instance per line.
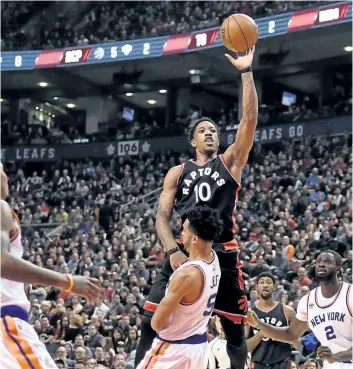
x=20, y=347
x=164, y=355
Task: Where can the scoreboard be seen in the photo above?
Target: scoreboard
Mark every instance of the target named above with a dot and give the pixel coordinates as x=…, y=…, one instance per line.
x=334, y=13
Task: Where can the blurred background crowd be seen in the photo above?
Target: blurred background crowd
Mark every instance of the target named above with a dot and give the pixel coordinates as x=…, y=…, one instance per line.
x=296, y=200
x=116, y=21
x=96, y=216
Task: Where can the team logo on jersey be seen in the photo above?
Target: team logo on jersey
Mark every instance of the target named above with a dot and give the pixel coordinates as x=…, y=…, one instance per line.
x=243, y=304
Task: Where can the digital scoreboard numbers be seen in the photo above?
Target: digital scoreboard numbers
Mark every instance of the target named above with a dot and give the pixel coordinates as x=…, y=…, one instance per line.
x=203, y=39
x=272, y=26
x=74, y=56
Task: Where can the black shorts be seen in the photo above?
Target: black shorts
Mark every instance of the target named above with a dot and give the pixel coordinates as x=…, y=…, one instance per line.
x=231, y=301
x=286, y=364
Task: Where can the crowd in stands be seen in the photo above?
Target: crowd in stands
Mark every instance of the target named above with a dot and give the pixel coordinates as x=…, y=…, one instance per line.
x=114, y=21
x=295, y=202
x=296, y=197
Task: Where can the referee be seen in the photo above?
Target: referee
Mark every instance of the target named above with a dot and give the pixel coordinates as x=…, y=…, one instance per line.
x=217, y=349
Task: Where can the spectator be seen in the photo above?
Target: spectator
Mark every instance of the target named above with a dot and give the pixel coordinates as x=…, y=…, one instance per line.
x=79, y=342
x=80, y=354
x=74, y=328
x=61, y=354
x=99, y=355
x=95, y=338
x=62, y=327
x=303, y=279
x=47, y=332
x=131, y=341
x=101, y=307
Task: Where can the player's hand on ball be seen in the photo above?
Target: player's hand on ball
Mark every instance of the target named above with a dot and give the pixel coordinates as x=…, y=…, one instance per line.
x=244, y=61
x=324, y=353
x=253, y=319
x=176, y=259
x=86, y=287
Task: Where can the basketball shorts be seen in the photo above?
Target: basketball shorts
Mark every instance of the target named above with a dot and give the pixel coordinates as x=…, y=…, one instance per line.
x=176, y=355
x=231, y=301
x=20, y=346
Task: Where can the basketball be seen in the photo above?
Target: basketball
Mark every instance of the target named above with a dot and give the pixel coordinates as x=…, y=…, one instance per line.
x=239, y=33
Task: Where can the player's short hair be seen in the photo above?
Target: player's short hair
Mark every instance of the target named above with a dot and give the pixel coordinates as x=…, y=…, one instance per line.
x=195, y=123
x=205, y=222
x=267, y=275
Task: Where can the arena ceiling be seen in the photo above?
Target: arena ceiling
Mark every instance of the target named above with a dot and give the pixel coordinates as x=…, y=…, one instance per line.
x=300, y=69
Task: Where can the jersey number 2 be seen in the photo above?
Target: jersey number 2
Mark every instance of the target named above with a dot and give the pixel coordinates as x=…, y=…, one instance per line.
x=210, y=304
x=330, y=333
x=202, y=192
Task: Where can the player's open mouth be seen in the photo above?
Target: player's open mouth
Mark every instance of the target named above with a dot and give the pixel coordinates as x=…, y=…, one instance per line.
x=321, y=271
x=209, y=140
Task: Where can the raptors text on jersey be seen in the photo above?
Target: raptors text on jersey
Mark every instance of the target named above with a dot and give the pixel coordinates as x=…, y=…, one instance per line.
x=211, y=184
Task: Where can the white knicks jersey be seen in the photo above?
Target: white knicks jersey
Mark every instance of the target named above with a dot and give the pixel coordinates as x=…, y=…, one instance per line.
x=329, y=319
x=188, y=320
x=13, y=293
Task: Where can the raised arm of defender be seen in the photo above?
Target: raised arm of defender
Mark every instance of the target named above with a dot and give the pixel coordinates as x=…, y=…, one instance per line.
x=19, y=270
x=236, y=156
x=164, y=215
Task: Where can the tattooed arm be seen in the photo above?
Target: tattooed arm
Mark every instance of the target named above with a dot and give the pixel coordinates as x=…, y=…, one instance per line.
x=164, y=215
x=236, y=156
x=20, y=270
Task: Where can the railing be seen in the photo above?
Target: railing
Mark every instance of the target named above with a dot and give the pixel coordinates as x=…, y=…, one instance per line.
x=48, y=229
x=149, y=198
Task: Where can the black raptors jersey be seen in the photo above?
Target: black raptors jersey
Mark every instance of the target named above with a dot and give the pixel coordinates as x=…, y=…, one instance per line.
x=270, y=352
x=210, y=184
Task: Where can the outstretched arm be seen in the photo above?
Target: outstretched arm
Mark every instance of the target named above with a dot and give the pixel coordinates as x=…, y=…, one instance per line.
x=290, y=313
x=164, y=215
x=20, y=270
x=289, y=334
x=236, y=156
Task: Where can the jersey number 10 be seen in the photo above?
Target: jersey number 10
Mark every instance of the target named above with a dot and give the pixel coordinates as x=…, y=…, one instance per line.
x=202, y=192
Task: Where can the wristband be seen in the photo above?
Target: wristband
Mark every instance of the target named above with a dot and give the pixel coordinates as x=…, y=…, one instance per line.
x=245, y=70
x=173, y=250
x=258, y=326
x=71, y=283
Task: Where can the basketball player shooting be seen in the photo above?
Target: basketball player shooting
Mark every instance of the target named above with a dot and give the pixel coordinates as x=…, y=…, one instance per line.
x=265, y=351
x=182, y=316
x=20, y=345
x=326, y=310
x=213, y=180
